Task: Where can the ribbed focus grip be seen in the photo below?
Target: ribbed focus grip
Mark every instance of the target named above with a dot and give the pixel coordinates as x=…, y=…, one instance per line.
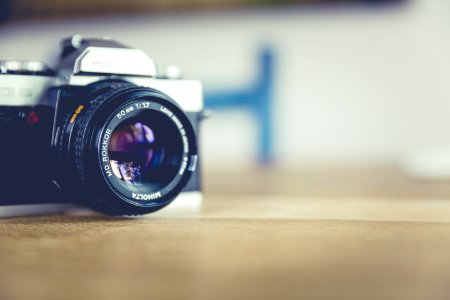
x=86, y=117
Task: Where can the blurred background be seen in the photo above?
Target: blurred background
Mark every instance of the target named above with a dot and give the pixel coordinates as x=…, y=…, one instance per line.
x=309, y=96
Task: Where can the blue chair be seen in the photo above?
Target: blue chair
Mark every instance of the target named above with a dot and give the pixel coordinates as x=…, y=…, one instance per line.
x=257, y=98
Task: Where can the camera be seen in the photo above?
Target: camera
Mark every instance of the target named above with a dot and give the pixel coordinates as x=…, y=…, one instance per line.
x=103, y=129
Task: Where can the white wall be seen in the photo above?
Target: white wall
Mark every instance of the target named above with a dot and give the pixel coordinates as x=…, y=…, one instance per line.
x=354, y=85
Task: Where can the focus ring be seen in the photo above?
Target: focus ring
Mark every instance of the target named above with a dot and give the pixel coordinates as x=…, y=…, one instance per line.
x=79, y=141
x=84, y=118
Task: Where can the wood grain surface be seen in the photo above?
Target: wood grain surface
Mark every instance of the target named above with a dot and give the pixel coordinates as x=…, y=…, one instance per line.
x=244, y=245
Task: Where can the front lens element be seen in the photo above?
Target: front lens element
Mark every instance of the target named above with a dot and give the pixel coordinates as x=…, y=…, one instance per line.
x=146, y=150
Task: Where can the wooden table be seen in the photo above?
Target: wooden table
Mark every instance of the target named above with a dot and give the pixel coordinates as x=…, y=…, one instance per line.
x=255, y=243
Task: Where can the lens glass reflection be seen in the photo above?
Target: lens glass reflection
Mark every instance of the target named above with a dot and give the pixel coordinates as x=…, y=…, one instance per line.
x=146, y=150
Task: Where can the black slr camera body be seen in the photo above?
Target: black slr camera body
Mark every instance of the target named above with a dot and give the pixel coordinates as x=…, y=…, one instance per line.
x=102, y=129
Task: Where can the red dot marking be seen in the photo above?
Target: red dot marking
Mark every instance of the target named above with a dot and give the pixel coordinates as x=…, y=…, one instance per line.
x=32, y=118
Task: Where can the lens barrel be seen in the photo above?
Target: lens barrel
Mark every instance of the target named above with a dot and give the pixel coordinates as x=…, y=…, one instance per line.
x=130, y=148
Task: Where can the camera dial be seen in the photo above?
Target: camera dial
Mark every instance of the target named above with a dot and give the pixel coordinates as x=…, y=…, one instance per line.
x=23, y=67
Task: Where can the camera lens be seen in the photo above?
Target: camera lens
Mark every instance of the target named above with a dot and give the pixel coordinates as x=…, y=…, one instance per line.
x=146, y=150
x=130, y=147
